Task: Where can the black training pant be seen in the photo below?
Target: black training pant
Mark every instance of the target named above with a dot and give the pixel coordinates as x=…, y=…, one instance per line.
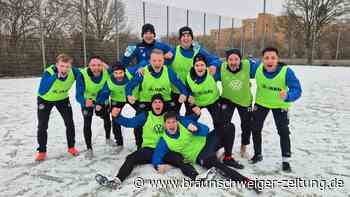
x=44, y=110
x=282, y=124
x=88, y=114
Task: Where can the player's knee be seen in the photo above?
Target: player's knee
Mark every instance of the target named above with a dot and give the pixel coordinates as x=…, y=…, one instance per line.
x=130, y=159
x=283, y=130
x=42, y=127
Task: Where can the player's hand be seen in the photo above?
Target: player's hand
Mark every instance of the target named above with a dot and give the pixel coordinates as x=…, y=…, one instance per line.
x=168, y=55
x=197, y=111
x=131, y=99
x=163, y=168
x=192, y=128
x=283, y=95
x=212, y=69
x=106, y=66
x=115, y=112
x=89, y=103
x=141, y=71
x=191, y=99
x=182, y=98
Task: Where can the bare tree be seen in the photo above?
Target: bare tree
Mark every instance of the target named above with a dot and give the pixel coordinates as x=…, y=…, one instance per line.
x=57, y=16
x=102, y=18
x=290, y=28
x=2, y=16
x=314, y=16
x=335, y=42
x=19, y=18
x=55, y=21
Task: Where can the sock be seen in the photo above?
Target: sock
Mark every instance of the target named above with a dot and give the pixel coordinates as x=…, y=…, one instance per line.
x=228, y=157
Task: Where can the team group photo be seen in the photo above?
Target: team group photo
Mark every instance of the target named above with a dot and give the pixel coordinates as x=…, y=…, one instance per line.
x=173, y=115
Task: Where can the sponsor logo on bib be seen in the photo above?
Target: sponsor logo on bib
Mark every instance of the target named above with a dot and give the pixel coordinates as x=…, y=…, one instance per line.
x=236, y=84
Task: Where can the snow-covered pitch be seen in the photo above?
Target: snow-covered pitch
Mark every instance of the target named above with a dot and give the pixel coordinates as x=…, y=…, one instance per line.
x=320, y=135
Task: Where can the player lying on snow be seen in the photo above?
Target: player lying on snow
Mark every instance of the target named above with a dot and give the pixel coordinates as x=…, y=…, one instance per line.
x=152, y=129
x=191, y=142
x=179, y=144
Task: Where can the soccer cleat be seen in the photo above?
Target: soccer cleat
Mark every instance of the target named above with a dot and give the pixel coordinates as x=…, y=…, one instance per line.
x=104, y=181
x=286, y=167
x=73, y=151
x=40, y=156
x=208, y=175
x=230, y=161
x=256, y=159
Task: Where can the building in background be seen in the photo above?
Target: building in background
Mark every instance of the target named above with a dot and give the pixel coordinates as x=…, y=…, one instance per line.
x=249, y=37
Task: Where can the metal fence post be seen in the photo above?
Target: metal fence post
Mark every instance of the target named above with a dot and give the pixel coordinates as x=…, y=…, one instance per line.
x=338, y=45
x=116, y=27
x=83, y=19
x=254, y=39
x=167, y=23
x=232, y=33
x=218, y=38
x=242, y=39
x=144, y=12
x=204, y=23
x=187, y=17
x=42, y=38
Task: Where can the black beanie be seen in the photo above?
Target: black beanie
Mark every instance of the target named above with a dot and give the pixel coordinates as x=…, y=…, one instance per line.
x=185, y=30
x=199, y=57
x=157, y=97
x=148, y=28
x=118, y=66
x=233, y=51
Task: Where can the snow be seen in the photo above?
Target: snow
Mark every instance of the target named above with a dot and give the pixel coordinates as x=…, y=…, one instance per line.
x=319, y=131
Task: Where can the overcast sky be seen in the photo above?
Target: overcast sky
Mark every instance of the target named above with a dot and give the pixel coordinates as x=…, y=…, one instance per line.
x=156, y=13
x=235, y=8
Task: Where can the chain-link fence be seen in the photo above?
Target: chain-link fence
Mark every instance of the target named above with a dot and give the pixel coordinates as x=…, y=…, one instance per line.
x=83, y=28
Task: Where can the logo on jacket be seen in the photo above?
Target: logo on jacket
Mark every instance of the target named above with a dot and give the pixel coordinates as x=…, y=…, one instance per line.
x=236, y=84
x=158, y=128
